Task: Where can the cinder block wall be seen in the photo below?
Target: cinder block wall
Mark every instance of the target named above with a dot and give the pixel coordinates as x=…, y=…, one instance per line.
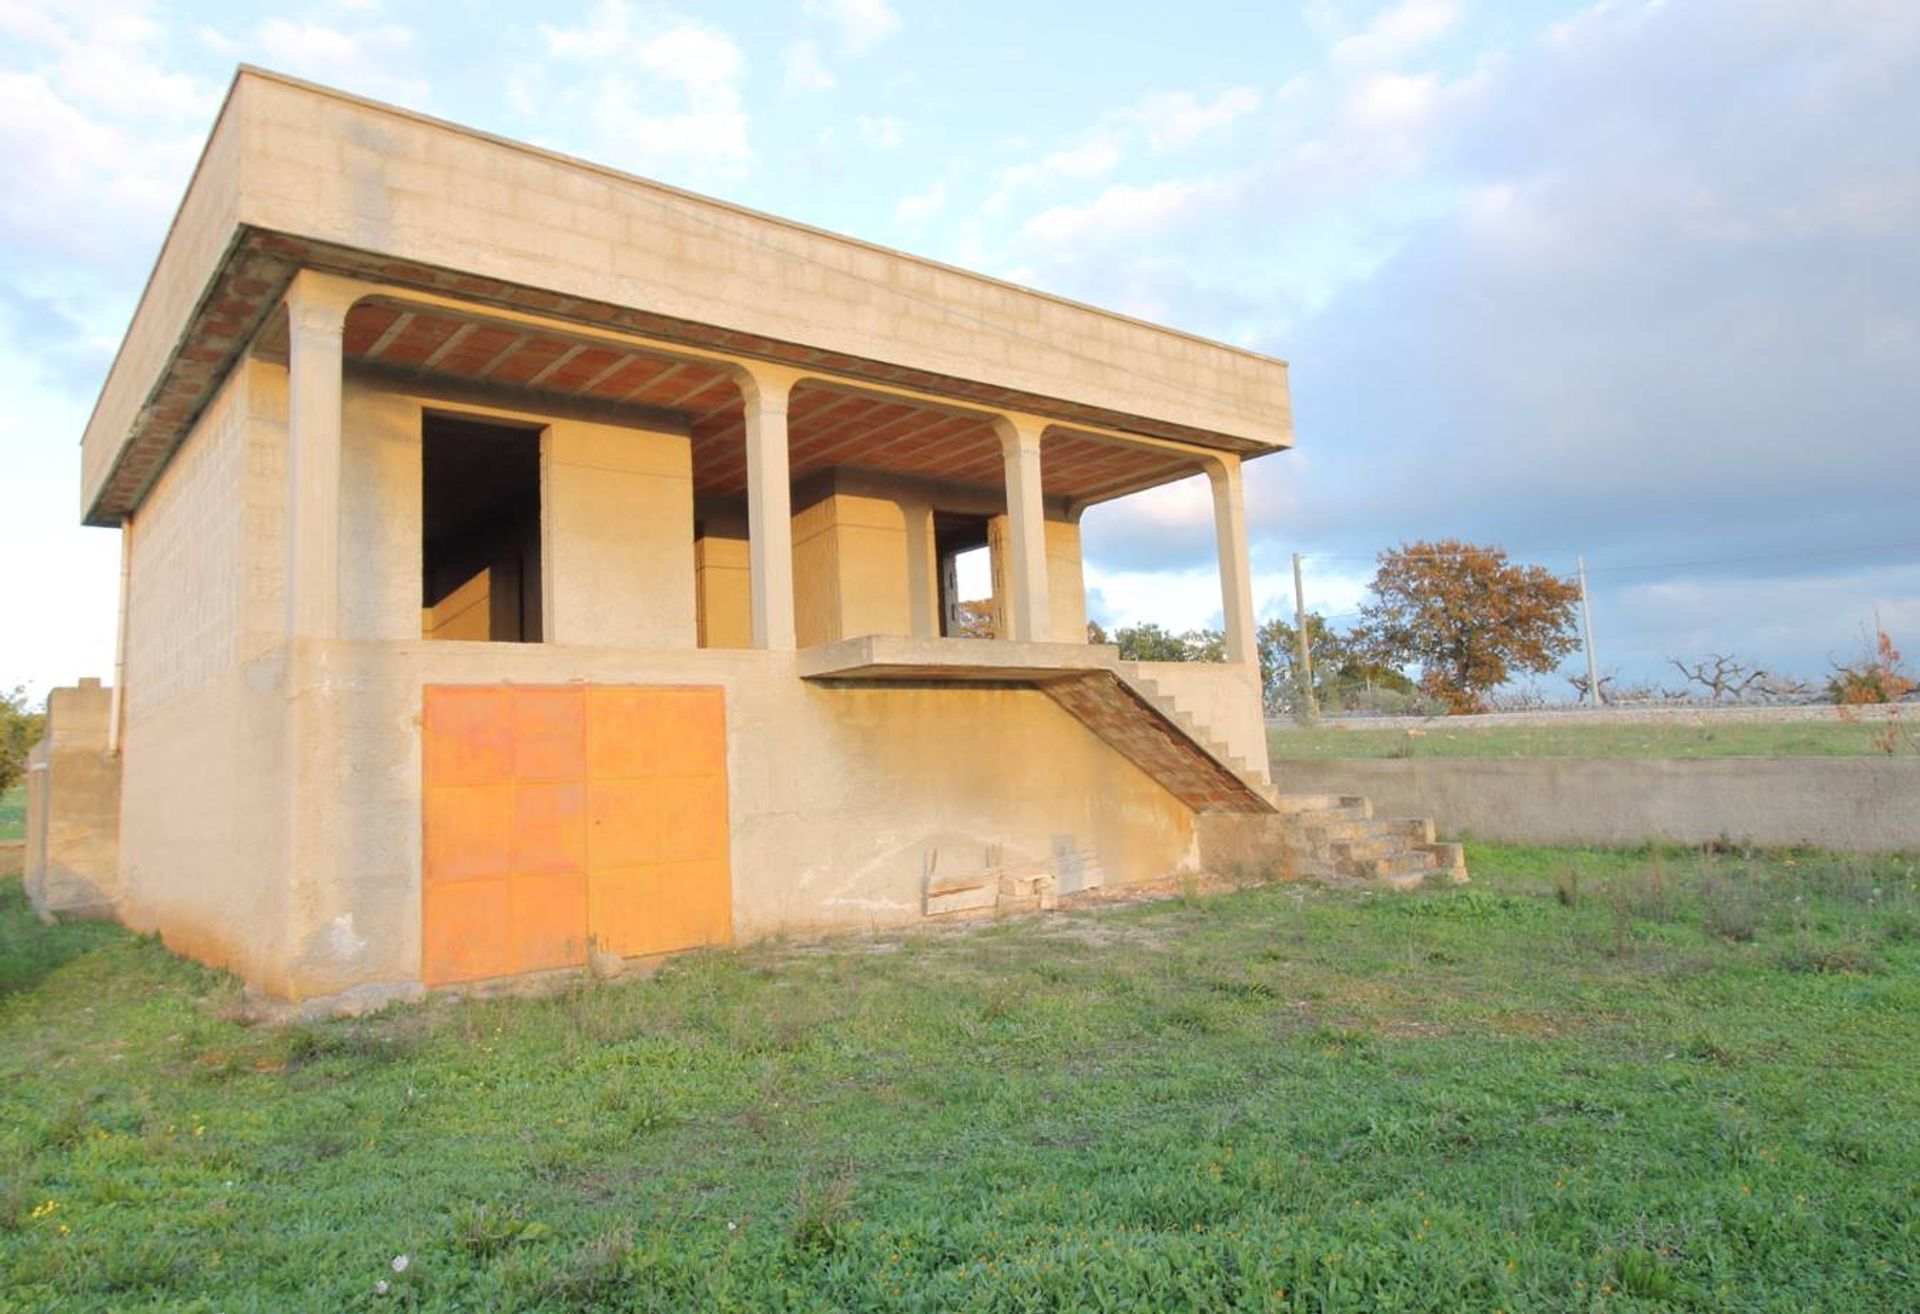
x=71, y=863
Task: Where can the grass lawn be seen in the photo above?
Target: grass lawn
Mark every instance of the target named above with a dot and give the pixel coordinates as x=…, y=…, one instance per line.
x=1575, y=739
x=13, y=812
x=1587, y=1081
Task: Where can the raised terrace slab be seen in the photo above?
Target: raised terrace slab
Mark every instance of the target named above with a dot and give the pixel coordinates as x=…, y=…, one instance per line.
x=889, y=657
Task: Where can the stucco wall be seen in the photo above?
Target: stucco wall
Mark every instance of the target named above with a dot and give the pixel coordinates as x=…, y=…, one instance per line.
x=841, y=799
x=1857, y=804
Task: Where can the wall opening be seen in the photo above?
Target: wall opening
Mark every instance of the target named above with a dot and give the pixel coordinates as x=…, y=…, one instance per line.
x=970, y=592
x=480, y=549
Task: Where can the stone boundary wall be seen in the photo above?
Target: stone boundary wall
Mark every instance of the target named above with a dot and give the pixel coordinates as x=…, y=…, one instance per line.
x=1849, y=804
x=13, y=857
x=1678, y=714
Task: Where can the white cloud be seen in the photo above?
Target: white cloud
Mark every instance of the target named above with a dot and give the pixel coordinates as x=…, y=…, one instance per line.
x=862, y=24
x=1172, y=119
x=96, y=137
x=1126, y=213
x=882, y=132
x=1393, y=100
x=1397, y=33
x=375, y=61
x=806, y=71
x=663, y=93
x=915, y=210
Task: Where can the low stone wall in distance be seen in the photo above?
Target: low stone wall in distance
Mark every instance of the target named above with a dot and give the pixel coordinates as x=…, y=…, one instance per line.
x=1848, y=804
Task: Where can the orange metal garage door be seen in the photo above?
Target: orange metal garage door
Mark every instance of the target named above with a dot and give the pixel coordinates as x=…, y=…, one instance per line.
x=559, y=818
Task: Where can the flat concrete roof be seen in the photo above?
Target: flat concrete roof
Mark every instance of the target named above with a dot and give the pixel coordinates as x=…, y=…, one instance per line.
x=295, y=175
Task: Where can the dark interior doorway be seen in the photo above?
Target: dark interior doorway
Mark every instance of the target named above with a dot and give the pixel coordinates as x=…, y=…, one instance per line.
x=968, y=608
x=480, y=550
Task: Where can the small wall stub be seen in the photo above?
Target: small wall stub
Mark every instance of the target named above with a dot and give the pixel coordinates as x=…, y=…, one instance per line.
x=72, y=857
x=1847, y=804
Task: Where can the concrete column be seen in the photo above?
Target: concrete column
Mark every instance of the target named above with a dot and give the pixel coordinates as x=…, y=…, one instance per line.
x=317, y=307
x=765, y=390
x=1236, y=573
x=1029, y=611
x=923, y=583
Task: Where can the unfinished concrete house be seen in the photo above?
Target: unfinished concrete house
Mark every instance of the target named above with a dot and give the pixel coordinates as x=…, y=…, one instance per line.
x=526, y=561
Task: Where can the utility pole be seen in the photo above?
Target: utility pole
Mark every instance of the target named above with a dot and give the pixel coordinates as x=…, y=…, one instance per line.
x=1586, y=617
x=1306, y=649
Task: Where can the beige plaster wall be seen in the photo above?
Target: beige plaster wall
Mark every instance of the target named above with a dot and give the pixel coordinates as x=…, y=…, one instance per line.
x=203, y=798
x=1066, y=584
x=842, y=799
x=1848, y=804
x=71, y=860
x=617, y=534
x=616, y=519
x=850, y=571
x=723, y=585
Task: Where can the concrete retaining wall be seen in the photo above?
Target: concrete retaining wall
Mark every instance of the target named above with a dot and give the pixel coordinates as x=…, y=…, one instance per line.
x=1856, y=804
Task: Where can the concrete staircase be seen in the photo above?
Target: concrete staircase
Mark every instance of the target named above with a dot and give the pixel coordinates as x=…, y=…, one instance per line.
x=1336, y=837
x=1244, y=822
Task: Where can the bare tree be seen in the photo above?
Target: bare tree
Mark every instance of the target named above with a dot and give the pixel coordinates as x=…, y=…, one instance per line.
x=1722, y=675
x=1585, y=695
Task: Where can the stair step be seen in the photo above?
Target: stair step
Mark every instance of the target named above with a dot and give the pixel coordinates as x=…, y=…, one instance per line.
x=1337, y=803
x=1449, y=861
x=1388, y=866
x=1417, y=829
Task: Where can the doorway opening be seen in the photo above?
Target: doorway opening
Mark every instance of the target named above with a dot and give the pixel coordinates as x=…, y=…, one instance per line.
x=970, y=593
x=480, y=523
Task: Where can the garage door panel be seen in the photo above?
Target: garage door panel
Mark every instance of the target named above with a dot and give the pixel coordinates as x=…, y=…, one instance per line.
x=550, y=828
x=692, y=821
x=624, y=823
x=469, y=739
x=464, y=931
x=468, y=832
x=557, y=817
x=547, y=920
x=549, y=734
x=697, y=902
x=623, y=735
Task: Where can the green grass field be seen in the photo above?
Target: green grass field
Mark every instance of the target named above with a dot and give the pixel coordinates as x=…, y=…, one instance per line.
x=13, y=812
x=1587, y=1081
x=1576, y=739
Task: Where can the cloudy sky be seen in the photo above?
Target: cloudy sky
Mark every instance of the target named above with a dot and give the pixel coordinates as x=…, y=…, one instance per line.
x=1634, y=280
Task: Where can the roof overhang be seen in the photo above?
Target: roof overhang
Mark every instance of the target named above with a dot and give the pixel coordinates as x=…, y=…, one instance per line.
x=296, y=176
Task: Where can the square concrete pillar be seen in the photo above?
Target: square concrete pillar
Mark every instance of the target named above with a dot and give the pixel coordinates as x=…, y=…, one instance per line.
x=1236, y=573
x=1029, y=613
x=317, y=306
x=764, y=390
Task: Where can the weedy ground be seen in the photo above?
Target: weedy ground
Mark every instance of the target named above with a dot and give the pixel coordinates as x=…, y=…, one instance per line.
x=13, y=812
x=1652, y=1080
x=1587, y=739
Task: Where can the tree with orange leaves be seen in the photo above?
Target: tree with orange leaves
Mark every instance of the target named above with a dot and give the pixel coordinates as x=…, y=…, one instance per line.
x=1467, y=617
